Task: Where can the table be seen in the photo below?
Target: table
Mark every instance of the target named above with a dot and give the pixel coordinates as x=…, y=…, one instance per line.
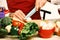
x=54, y=37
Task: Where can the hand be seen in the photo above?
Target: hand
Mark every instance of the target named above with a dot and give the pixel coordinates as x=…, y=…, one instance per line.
x=39, y=4
x=18, y=15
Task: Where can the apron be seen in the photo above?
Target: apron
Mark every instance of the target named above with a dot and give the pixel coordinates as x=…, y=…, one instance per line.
x=25, y=5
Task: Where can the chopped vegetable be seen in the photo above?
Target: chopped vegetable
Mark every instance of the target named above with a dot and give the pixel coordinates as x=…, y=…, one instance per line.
x=6, y=21
x=15, y=23
x=8, y=28
x=3, y=32
x=21, y=25
x=14, y=31
x=18, y=24
x=28, y=30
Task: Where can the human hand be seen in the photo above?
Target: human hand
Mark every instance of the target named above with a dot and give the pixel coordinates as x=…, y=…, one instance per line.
x=39, y=4
x=18, y=15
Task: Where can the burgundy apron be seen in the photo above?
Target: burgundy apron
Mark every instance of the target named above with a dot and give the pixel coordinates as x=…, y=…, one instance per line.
x=25, y=5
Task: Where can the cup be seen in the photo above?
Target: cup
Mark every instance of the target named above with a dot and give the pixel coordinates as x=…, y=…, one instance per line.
x=47, y=29
x=46, y=33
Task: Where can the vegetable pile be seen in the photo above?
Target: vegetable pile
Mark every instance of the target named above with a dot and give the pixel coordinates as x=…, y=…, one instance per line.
x=28, y=30
x=16, y=28
x=3, y=23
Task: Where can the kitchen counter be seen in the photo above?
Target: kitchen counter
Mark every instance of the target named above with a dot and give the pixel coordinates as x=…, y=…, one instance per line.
x=34, y=38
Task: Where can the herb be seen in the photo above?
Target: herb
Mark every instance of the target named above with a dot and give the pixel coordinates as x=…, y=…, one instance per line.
x=28, y=30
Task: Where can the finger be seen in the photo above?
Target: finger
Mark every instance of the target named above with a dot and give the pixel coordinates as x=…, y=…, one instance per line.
x=22, y=20
x=18, y=17
x=17, y=14
x=15, y=18
x=21, y=13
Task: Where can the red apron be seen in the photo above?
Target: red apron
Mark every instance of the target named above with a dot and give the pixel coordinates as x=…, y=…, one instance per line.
x=25, y=5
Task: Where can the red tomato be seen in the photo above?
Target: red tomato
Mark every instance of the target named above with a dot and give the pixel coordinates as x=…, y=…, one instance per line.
x=15, y=23
x=46, y=33
x=21, y=25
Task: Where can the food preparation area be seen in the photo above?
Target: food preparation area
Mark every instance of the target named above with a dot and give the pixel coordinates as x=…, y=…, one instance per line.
x=12, y=27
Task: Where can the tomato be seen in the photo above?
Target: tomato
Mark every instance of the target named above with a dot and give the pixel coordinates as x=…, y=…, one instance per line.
x=21, y=25
x=18, y=24
x=15, y=23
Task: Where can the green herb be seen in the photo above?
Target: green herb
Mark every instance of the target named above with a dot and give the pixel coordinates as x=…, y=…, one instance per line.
x=14, y=31
x=29, y=30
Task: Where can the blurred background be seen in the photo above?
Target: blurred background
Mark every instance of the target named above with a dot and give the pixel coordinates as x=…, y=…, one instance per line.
x=56, y=2
x=4, y=3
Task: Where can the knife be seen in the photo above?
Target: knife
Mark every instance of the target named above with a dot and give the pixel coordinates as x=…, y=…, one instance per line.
x=30, y=13
x=34, y=10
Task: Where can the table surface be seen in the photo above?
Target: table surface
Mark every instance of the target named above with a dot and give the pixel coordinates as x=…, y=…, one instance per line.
x=35, y=38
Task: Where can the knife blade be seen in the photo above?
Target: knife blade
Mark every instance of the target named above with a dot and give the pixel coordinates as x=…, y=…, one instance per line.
x=30, y=13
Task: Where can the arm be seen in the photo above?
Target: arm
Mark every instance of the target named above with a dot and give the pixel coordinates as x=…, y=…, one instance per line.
x=39, y=4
